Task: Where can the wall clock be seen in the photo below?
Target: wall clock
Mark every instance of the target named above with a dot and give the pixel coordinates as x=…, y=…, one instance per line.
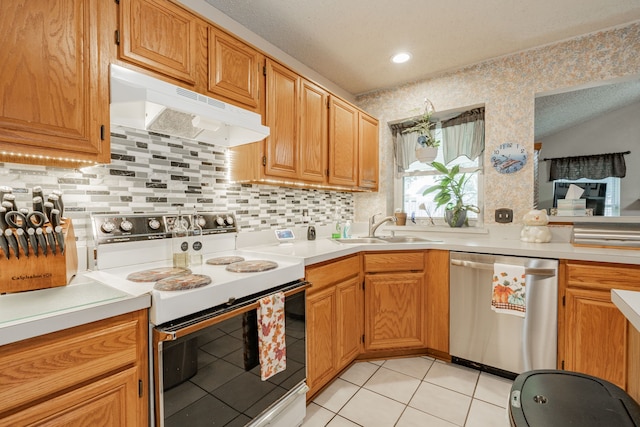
x=509, y=157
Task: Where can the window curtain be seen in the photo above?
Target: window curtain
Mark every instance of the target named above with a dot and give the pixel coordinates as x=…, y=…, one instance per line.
x=463, y=135
x=404, y=145
x=597, y=166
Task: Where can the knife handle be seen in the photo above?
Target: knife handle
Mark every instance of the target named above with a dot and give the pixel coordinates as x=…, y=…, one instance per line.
x=3, y=221
x=54, y=218
x=52, y=241
x=37, y=204
x=11, y=198
x=59, y=238
x=11, y=240
x=48, y=207
x=37, y=192
x=60, y=202
x=4, y=245
x=33, y=241
x=42, y=241
x=22, y=239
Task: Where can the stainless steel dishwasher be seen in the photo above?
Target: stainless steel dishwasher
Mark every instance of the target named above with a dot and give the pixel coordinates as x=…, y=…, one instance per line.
x=500, y=343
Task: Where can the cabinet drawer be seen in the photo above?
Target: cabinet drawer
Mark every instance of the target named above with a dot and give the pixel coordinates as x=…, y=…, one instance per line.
x=602, y=276
x=329, y=274
x=40, y=367
x=393, y=261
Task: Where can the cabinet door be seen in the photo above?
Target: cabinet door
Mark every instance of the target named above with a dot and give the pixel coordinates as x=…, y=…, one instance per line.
x=343, y=143
x=368, y=152
x=281, y=149
x=111, y=401
x=313, y=132
x=321, y=338
x=160, y=36
x=394, y=311
x=235, y=69
x=55, y=89
x=596, y=341
x=349, y=321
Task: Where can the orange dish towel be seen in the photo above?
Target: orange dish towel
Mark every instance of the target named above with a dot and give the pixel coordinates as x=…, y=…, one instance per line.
x=508, y=294
x=271, y=338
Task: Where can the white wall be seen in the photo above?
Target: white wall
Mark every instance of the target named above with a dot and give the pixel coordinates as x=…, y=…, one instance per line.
x=614, y=132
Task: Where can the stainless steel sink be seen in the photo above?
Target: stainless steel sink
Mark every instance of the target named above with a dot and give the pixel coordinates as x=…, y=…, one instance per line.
x=361, y=240
x=406, y=239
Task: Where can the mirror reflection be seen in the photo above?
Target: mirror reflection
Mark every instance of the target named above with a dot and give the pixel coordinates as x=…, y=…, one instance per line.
x=601, y=119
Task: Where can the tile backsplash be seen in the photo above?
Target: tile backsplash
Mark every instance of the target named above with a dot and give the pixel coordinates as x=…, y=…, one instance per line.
x=151, y=172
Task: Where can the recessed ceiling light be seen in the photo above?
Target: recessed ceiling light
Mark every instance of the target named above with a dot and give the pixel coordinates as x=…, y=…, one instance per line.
x=401, y=57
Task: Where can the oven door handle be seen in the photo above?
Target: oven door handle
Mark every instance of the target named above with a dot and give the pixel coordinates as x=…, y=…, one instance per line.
x=173, y=333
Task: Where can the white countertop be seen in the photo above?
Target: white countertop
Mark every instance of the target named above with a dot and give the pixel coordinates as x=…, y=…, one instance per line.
x=28, y=314
x=324, y=249
x=628, y=302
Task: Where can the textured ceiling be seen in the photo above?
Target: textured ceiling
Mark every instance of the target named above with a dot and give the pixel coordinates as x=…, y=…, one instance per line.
x=350, y=41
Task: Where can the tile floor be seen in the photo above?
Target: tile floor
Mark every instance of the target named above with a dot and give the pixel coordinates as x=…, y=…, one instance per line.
x=418, y=391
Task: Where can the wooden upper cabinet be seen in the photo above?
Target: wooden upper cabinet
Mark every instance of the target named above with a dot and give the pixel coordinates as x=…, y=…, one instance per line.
x=235, y=69
x=343, y=143
x=367, y=152
x=54, y=92
x=313, y=132
x=281, y=151
x=160, y=36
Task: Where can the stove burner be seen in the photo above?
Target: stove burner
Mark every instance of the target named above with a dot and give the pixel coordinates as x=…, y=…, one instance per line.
x=251, y=266
x=224, y=260
x=155, y=274
x=182, y=283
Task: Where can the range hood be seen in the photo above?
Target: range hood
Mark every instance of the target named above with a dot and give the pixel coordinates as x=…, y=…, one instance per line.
x=143, y=102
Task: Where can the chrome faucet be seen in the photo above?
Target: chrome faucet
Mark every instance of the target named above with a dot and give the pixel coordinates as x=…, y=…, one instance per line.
x=373, y=225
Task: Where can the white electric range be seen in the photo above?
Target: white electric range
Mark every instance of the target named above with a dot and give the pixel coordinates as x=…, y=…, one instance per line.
x=194, y=332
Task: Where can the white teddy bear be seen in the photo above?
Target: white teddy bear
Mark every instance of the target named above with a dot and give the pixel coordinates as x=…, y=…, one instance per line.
x=535, y=228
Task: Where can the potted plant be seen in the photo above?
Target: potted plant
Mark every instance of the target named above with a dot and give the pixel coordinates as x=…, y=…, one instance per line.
x=450, y=193
x=427, y=144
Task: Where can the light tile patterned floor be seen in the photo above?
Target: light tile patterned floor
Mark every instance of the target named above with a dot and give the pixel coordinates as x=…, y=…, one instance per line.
x=408, y=392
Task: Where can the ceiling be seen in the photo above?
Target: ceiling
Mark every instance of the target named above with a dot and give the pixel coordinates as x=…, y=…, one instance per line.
x=350, y=42
x=554, y=113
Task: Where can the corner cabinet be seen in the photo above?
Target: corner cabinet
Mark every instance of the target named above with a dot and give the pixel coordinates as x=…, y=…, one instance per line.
x=55, y=92
x=593, y=333
x=94, y=374
x=334, y=319
x=395, y=300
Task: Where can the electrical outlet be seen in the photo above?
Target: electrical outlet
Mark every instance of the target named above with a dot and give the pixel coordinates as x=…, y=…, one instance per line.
x=504, y=215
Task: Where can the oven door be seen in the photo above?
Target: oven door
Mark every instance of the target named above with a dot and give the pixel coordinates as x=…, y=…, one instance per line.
x=206, y=366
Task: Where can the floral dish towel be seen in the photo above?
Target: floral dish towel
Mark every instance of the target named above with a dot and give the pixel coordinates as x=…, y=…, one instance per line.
x=508, y=289
x=271, y=339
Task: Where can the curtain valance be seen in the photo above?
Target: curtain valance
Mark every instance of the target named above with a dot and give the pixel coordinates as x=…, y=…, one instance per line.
x=596, y=166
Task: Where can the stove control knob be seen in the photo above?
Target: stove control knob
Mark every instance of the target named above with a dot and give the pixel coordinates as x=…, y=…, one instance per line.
x=220, y=221
x=108, y=227
x=229, y=220
x=126, y=225
x=154, y=224
x=202, y=221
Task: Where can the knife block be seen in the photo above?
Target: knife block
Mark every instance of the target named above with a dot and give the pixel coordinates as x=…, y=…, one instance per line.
x=41, y=272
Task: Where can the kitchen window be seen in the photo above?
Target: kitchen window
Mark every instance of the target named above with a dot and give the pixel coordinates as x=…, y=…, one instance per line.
x=411, y=183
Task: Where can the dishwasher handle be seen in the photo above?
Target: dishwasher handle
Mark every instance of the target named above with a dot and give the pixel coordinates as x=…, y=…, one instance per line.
x=543, y=272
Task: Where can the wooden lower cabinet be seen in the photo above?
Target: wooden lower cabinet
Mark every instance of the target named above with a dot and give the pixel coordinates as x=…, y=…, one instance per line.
x=94, y=374
x=593, y=335
x=334, y=319
x=395, y=300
